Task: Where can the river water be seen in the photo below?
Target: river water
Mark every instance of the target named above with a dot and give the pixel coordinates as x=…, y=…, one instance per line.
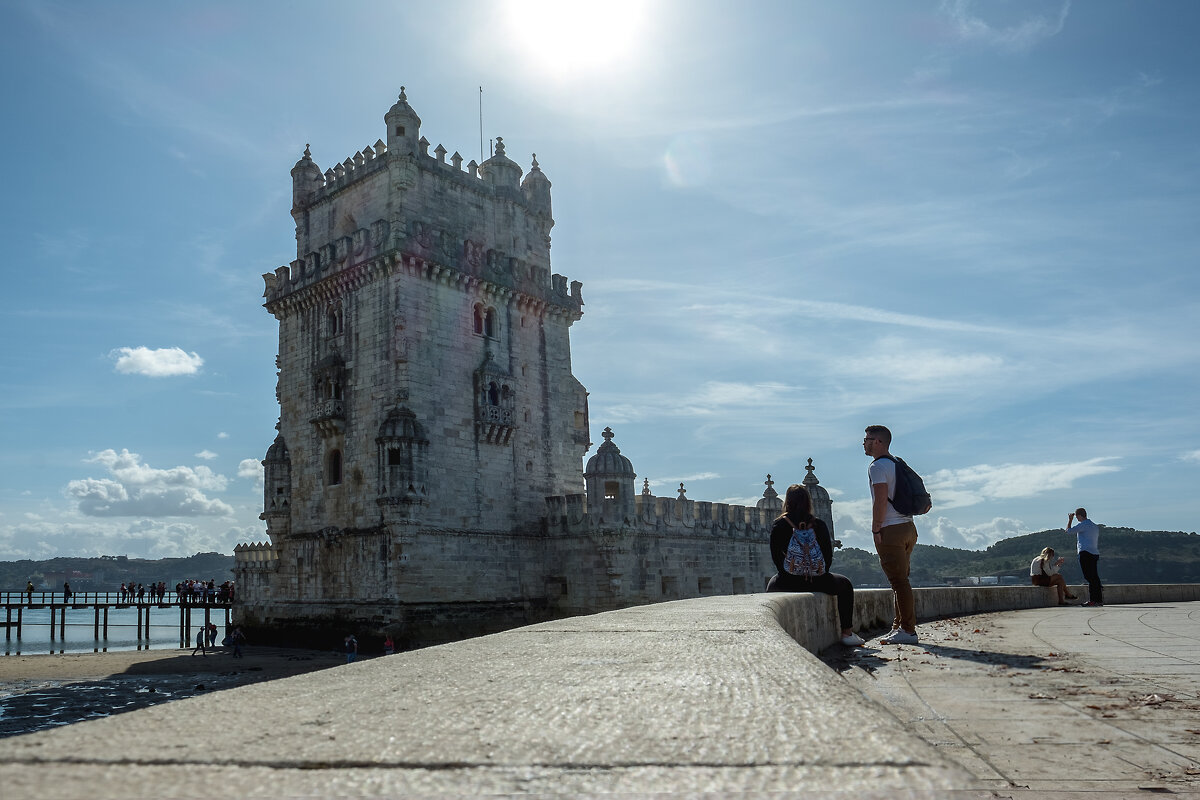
x=122, y=631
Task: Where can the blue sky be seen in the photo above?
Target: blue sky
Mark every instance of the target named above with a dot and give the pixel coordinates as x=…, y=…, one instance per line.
x=972, y=222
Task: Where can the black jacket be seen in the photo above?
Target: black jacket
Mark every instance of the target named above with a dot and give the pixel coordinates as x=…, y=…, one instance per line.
x=781, y=536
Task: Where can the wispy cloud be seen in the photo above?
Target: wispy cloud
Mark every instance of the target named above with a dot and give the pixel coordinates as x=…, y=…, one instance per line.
x=160, y=363
x=984, y=482
x=1019, y=37
x=207, y=455
x=673, y=483
x=144, y=95
x=1192, y=455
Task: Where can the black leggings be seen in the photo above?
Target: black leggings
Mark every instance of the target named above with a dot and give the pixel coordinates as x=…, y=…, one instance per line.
x=829, y=583
x=1087, y=563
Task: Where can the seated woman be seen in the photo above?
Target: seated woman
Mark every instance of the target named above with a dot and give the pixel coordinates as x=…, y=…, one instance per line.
x=1043, y=571
x=803, y=551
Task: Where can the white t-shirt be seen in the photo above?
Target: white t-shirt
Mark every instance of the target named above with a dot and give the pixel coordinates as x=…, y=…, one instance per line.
x=1035, y=567
x=883, y=470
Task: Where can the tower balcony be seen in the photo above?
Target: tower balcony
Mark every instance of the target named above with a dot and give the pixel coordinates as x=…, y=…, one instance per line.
x=330, y=417
x=494, y=423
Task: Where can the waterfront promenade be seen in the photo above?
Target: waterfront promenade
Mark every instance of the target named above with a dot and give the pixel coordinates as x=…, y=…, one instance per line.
x=711, y=697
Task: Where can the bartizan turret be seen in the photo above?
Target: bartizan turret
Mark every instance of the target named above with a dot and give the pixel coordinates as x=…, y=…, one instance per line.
x=403, y=127
x=609, y=481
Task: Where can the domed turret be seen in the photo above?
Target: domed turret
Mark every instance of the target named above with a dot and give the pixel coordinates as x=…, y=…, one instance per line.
x=403, y=127
x=306, y=180
x=822, y=506
x=500, y=170
x=770, y=501
x=277, y=487
x=609, y=481
x=403, y=448
x=536, y=188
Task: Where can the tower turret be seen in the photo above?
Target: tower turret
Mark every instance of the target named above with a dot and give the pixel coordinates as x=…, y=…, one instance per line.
x=536, y=188
x=500, y=170
x=403, y=127
x=822, y=506
x=770, y=501
x=306, y=180
x=277, y=488
x=609, y=481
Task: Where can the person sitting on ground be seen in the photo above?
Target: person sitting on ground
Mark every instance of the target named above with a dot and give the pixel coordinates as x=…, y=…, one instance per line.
x=803, y=552
x=1044, y=571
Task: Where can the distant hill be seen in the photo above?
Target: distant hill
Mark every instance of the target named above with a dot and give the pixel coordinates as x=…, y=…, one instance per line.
x=107, y=573
x=1126, y=556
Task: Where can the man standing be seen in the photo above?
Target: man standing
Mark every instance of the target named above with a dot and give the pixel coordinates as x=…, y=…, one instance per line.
x=894, y=533
x=1087, y=539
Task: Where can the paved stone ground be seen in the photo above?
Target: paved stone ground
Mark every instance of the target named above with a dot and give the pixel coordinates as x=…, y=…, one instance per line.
x=1059, y=702
x=706, y=698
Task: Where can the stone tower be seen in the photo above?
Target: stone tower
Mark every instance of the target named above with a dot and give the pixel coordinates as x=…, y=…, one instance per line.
x=424, y=380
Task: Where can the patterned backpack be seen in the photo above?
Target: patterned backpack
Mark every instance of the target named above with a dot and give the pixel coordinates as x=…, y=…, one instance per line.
x=804, y=557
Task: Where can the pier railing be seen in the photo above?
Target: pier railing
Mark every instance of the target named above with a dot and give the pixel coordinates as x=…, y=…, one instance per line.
x=15, y=605
x=88, y=599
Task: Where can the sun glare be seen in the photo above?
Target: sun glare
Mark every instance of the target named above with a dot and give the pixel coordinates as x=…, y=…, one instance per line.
x=568, y=37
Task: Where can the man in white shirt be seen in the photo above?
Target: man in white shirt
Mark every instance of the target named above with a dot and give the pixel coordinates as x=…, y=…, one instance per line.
x=1087, y=538
x=894, y=533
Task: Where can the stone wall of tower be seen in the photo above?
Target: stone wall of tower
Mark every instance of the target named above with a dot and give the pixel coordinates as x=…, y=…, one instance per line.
x=412, y=274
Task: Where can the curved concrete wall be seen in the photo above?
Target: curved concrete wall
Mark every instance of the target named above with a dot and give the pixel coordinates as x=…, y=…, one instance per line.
x=811, y=619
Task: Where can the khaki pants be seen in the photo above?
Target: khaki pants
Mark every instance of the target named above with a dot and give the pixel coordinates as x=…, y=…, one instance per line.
x=895, y=548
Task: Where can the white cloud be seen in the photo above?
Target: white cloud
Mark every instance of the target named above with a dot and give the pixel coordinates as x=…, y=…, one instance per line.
x=674, y=482
x=1193, y=455
x=207, y=455
x=142, y=538
x=1018, y=37
x=222, y=435
x=251, y=469
x=984, y=482
x=137, y=489
x=163, y=362
x=972, y=537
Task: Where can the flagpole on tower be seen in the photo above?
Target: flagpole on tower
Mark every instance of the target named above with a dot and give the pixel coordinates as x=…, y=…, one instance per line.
x=480, y=124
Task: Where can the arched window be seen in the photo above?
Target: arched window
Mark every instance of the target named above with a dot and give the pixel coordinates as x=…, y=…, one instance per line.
x=478, y=319
x=333, y=468
x=489, y=324
x=335, y=321
x=493, y=395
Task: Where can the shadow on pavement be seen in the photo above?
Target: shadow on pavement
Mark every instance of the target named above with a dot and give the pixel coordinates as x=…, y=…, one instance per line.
x=870, y=659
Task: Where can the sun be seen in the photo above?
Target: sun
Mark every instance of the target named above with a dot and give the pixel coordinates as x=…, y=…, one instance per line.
x=570, y=37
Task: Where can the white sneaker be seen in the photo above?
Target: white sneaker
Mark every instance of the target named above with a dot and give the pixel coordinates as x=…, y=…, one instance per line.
x=900, y=636
x=853, y=640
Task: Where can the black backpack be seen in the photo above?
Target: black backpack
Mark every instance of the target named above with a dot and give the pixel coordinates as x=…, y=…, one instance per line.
x=911, y=498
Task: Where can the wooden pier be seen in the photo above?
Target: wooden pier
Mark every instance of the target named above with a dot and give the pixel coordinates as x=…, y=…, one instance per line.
x=16, y=604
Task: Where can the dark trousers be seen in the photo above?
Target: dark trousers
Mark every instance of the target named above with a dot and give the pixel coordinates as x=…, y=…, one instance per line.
x=829, y=583
x=1087, y=563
